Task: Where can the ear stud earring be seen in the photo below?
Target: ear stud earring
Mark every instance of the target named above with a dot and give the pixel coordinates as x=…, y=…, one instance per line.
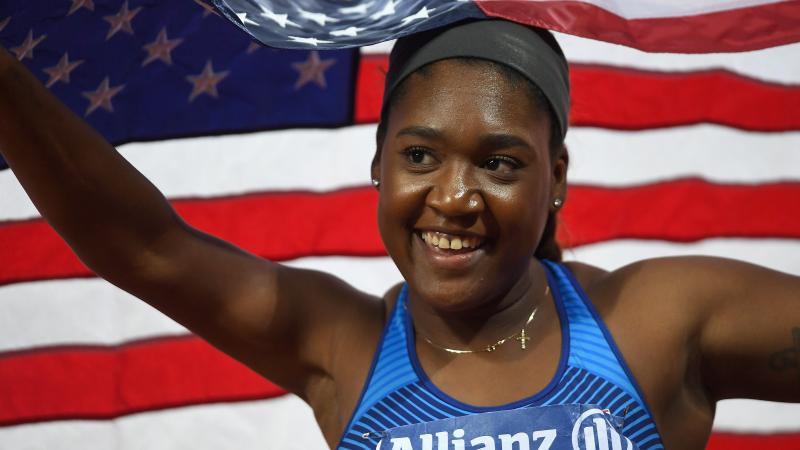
x=376, y=183
x=557, y=203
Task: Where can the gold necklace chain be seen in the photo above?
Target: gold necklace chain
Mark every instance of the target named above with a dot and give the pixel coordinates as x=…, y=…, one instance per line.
x=520, y=336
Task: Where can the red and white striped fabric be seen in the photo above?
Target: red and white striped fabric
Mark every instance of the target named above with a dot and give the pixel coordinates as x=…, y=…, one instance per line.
x=670, y=155
x=685, y=26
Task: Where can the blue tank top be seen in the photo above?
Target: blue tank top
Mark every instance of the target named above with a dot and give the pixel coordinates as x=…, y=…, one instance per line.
x=591, y=371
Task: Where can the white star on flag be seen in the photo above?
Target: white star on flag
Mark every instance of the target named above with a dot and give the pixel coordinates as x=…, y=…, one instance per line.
x=388, y=10
x=350, y=31
x=78, y=4
x=421, y=14
x=121, y=21
x=281, y=19
x=206, y=81
x=319, y=18
x=161, y=48
x=245, y=20
x=101, y=98
x=310, y=41
x=25, y=50
x=61, y=71
x=312, y=70
x=357, y=9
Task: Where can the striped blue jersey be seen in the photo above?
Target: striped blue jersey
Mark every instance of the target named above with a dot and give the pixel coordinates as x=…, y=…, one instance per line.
x=591, y=371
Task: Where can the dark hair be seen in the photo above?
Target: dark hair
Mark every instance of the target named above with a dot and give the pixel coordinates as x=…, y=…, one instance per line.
x=548, y=247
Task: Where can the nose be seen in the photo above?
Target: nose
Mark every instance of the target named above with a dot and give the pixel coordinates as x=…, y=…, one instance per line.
x=456, y=191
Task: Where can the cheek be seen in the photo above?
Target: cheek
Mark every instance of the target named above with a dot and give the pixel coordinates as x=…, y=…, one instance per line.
x=519, y=212
x=400, y=202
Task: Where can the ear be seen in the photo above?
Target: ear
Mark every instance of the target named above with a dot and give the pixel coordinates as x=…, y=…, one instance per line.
x=375, y=168
x=559, y=176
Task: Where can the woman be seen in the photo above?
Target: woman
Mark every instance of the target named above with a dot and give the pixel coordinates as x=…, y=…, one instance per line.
x=471, y=170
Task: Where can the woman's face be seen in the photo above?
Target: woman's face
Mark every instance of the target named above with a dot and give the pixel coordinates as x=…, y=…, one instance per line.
x=466, y=184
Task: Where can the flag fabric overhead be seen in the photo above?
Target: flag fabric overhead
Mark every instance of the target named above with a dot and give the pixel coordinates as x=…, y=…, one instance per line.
x=270, y=149
x=699, y=26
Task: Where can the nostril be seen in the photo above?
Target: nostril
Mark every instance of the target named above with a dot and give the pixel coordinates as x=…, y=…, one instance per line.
x=456, y=202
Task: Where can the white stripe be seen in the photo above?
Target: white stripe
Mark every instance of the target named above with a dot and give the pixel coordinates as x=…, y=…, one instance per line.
x=321, y=160
x=91, y=311
x=776, y=64
x=314, y=160
x=777, y=254
x=284, y=423
x=79, y=311
x=754, y=416
x=646, y=9
x=610, y=158
x=379, y=48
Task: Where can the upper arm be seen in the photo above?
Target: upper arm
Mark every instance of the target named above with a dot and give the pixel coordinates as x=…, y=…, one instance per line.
x=750, y=333
x=279, y=321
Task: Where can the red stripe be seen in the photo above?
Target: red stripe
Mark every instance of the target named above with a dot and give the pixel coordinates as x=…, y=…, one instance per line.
x=629, y=99
x=103, y=383
x=277, y=226
x=734, y=441
x=734, y=30
x=281, y=226
x=108, y=382
x=634, y=99
x=369, y=88
x=680, y=211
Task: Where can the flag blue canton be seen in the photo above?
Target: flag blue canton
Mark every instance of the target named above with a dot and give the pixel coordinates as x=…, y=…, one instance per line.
x=148, y=70
x=339, y=24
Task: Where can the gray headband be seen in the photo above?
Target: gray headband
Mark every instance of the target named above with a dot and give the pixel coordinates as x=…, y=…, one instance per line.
x=517, y=46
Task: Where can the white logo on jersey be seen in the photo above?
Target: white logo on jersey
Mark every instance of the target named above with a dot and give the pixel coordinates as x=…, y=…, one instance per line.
x=597, y=434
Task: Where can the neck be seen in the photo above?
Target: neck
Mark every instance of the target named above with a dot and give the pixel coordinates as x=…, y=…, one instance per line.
x=484, y=324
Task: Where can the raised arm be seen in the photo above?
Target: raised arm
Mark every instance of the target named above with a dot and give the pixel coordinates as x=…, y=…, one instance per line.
x=750, y=338
x=279, y=321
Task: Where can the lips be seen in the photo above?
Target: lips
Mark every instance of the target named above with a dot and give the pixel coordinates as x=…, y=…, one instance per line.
x=450, y=252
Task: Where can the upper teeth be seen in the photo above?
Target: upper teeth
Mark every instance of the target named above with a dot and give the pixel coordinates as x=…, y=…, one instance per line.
x=449, y=241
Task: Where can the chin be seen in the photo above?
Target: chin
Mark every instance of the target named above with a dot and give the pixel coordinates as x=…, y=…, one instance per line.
x=454, y=294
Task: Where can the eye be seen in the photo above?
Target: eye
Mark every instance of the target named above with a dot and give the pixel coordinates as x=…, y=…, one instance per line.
x=503, y=165
x=419, y=155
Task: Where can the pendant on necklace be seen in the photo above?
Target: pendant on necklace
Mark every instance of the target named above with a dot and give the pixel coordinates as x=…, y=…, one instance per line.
x=523, y=339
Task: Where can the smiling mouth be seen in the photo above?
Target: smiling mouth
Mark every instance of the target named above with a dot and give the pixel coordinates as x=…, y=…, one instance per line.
x=450, y=242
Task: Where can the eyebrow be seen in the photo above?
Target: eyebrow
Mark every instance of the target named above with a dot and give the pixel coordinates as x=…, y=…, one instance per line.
x=490, y=141
x=503, y=140
x=420, y=131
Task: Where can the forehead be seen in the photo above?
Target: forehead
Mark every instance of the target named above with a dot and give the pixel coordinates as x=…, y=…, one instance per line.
x=457, y=94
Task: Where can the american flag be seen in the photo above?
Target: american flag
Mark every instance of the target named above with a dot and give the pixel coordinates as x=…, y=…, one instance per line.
x=687, y=153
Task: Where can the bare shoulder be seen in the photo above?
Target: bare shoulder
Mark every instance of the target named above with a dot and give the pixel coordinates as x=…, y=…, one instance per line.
x=682, y=278
x=668, y=302
x=663, y=302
